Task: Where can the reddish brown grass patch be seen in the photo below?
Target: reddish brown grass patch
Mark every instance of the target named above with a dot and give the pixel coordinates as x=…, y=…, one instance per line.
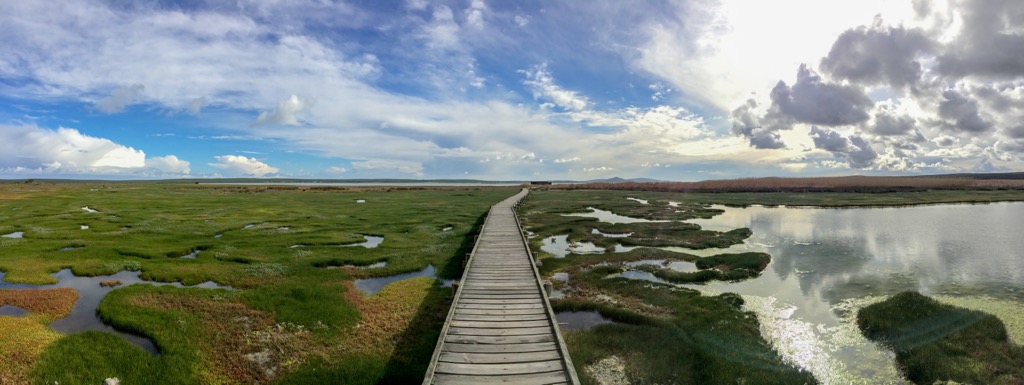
x=386, y=315
x=231, y=331
x=22, y=339
x=52, y=303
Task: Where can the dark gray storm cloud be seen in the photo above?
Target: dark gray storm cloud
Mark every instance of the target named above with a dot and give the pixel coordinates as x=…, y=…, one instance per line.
x=746, y=122
x=814, y=101
x=810, y=100
x=829, y=140
x=990, y=44
x=857, y=152
x=878, y=55
x=1016, y=146
x=970, y=87
x=961, y=113
x=888, y=123
x=945, y=141
x=997, y=99
x=1016, y=132
x=1004, y=104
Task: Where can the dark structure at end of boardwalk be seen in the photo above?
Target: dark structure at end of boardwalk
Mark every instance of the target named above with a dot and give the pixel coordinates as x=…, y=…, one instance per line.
x=501, y=329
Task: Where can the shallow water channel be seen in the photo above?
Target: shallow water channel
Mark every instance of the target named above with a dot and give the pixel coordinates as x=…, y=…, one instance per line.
x=370, y=286
x=578, y=320
x=83, y=315
x=609, y=217
x=827, y=263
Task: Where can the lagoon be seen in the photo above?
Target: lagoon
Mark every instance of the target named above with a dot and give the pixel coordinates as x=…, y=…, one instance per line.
x=827, y=263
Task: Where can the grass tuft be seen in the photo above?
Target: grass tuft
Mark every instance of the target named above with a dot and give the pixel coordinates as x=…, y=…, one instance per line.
x=124, y=265
x=263, y=270
x=938, y=342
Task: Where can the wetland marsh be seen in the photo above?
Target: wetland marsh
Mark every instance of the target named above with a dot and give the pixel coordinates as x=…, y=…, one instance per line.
x=289, y=320
x=331, y=290
x=825, y=264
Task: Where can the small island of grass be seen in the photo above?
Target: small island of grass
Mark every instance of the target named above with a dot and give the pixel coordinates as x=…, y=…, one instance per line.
x=722, y=267
x=938, y=342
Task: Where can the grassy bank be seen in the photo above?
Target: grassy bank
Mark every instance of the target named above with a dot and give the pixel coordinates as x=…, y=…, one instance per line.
x=937, y=342
x=668, y=335
x=291, y=320
x=23, y=339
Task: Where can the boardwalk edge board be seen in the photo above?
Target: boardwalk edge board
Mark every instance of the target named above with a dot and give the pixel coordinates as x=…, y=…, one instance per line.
x=500, y=327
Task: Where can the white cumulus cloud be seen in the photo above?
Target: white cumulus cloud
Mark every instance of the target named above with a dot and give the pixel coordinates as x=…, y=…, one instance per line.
x=475, y=14
x=286, y=113
x=28, y=150
x=236, y=165
x=169, y=164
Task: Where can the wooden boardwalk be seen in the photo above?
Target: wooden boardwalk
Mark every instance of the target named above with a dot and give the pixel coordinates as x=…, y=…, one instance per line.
x=500, y=329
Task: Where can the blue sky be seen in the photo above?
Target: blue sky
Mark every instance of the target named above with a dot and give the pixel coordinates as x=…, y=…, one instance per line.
x=673, y=90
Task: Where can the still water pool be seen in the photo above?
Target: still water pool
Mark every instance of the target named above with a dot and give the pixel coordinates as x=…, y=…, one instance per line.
x=83, y=314
x=827, y=263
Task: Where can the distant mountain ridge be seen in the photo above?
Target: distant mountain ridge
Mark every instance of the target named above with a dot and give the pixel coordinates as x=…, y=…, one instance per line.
x=979, y=175
x=622, y=180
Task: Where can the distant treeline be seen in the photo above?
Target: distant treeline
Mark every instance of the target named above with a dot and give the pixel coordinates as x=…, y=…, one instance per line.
x=865, y=184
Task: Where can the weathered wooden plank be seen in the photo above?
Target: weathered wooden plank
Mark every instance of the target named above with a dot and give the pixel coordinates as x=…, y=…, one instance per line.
x=502, y=331
x=493, y=271
x=499, y=290
x=538, y=310
x=500, y=317
x=499, y=294
x=497, y=278
x=499, y=301
x=499, y=307
x=500, y=369
x=529, y=297
x=498, y=283
x=500, y=324
x=498, y=358
x=528, y=379
x=502, y=348
x=500, y=339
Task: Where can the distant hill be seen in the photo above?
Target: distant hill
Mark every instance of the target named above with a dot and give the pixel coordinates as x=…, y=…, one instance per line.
x=854, y=183
x=361, y=181
x=979, y=176
x=268, y=181
x=623, y=180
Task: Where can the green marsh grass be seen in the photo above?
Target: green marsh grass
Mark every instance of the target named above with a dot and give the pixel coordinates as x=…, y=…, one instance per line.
x=23, y=339
x=937, y=342
x=294, y=318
